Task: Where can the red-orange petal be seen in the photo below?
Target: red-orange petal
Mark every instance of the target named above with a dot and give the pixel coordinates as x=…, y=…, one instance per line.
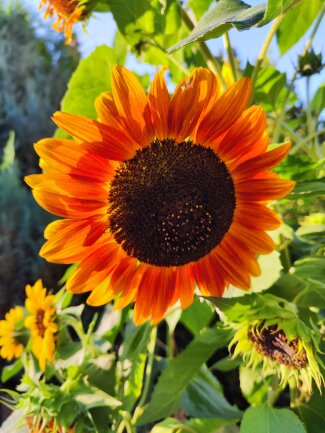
x=226, y=110
x=263, y=189
x=192, y=97
x=66, y=156
x=106, y=141
x=131, y=104
x=262, y=162
x=69, y=207
x=159, y=102
x=95, y=268
x=209, y=276
x=69, y=241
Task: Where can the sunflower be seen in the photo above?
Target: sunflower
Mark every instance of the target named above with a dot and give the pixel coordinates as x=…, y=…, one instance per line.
x=274, y=337
x=10, y=345
x=160, y=193
x=41, y=322
x=68, y=12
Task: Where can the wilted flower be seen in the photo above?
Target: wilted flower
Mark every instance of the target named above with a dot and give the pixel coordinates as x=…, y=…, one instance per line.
x=273, y=335
x=310, y=63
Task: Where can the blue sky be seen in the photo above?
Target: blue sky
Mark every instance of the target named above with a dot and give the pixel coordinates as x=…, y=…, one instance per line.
x=101, y=29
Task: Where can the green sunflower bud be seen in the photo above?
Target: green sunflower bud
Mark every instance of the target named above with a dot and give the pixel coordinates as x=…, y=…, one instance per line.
x=310, y=63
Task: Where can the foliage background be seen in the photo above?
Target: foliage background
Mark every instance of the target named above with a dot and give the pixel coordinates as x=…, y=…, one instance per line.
x=181, y=377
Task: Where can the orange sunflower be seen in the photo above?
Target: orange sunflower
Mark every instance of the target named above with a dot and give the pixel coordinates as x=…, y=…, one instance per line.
x=160, y=194
x=68, y=12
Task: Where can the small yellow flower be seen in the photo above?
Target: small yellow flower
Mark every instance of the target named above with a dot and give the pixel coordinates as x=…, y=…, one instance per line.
x=10, y=346
x=41, y=322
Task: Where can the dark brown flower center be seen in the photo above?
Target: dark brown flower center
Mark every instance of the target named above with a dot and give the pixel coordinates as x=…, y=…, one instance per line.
x=172, y=203
x=39, y=322
x=274, y=344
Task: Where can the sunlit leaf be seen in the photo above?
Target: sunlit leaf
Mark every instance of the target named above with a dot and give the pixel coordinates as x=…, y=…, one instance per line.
x=266, y=419
x=180, y=371
x=296, y=22
x=225, y=15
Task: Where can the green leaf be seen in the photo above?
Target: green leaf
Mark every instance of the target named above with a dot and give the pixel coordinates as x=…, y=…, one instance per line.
x=310, y=267
x=169, y=425
x=91, y=78
x=96, y=398
x=180, y=371
x=197, y=316
x=201, y=425
x=225, y=15
x=199, y=6
x=296, y=22
x=275, y=8
x=265, y=419
x=11, y=370
x=203, y=399
x=270, y=88
x=101, y=372
x=312, y=413
x=308, y=189
x=8, y=157
x=318, y=102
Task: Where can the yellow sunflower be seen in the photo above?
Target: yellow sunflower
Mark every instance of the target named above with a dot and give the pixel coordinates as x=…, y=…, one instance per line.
x=41, y=322
x=160, y=194
x=68, y=12
x=10, y=327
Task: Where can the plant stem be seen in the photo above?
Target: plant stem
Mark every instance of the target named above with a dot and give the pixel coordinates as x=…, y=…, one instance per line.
x=304, y=141
x=276, y=134
x=265, y=47
x=148, y=374
x=210, y=60
x=230, y=55
x=275, y=391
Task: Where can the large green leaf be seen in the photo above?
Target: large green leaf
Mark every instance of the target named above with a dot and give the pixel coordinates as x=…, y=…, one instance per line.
x=312, y=413
x=296, y=22
x=274, y=8
x=266, y=419
x=199, y=6
x=180, y=371
x=225, y=15
x=203, y=399
x=197, y=316
x=92, y=77
x=311, y=267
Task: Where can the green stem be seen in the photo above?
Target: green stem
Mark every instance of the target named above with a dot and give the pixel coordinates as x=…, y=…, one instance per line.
x=285, y=256
x=265, y=47
x=274, y=394
x=277, y=130
x=210, y=60
x=148, y=374
x=304, y=141
x=230, y=54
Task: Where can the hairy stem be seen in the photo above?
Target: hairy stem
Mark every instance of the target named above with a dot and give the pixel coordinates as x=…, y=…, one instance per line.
x=265, y=47
x=230, y=55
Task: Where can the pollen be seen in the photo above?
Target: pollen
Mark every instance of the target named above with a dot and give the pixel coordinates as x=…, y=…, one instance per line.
x=172, y=203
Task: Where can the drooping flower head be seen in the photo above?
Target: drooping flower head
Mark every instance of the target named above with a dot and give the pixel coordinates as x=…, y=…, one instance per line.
x=160, y=193
x=41, y=322
x=67, y=12
x=11, y=345
x=273, y=336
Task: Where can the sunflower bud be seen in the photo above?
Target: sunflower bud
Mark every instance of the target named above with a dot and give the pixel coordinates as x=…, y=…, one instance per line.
x=272, y=335
x=310, y=63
